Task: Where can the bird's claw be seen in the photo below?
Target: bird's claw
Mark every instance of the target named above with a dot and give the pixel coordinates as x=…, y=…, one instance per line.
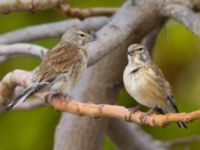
x=55, y=95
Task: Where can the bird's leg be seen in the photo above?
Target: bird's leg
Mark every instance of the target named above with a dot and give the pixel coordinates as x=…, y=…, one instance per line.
x=132, y=111
x=152, y=110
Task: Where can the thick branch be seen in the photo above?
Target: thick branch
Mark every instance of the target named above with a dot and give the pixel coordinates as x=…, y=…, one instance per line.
x=66, y=10
x=7, y=6
x=184, y=15
x=51, y=30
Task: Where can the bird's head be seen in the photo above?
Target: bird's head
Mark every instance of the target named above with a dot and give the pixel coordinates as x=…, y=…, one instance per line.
x=138, y=54
x=77, y=37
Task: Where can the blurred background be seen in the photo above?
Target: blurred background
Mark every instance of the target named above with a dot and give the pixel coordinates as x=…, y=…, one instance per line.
x=177, y=52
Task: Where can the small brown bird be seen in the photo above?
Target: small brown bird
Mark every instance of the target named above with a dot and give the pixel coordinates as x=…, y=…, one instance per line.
x=61, y=67
x=145, y=82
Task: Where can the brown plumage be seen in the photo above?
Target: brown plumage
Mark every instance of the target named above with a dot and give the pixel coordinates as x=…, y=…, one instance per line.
x=145, y=82
x=60, y=68
x=58, y=60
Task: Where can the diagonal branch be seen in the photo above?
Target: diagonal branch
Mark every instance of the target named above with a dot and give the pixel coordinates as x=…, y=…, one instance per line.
x=184, y=15
x=7, y=6
x=51, y=30
x=181, y=141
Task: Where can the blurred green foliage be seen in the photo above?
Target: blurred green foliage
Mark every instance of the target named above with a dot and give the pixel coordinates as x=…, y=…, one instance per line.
x=177, y=52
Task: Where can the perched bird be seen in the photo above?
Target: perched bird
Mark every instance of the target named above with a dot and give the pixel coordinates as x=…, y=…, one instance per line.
x=60, y=68
x=145, y=82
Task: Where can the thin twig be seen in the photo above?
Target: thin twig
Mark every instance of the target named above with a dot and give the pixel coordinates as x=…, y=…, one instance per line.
x=181, y=141
x=22, y=49
x=7, y=6
x=66, y=10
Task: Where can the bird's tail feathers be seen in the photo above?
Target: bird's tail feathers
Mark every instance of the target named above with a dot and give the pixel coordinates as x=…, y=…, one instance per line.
x=27, y=92
x=182, y=125
x=21, y=98
x=174, y=108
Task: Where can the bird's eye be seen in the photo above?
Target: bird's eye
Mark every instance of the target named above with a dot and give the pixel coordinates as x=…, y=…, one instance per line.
x=140, y=49
x=81, y=35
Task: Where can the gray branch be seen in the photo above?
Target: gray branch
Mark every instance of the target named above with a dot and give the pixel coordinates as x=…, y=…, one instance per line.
x=184, y=15
x=150, y=40
x=22, y=49
x=51, y=30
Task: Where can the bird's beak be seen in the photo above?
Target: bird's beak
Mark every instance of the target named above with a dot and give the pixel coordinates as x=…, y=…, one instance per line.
x=129, y=53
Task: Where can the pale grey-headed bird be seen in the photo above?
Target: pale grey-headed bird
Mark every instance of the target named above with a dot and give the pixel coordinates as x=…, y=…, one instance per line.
x=145, y=82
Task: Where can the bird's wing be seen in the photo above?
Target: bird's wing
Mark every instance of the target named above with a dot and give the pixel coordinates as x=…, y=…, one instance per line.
x=57, y=60
x=27, y=92
x=161, y=80
x=164, y=86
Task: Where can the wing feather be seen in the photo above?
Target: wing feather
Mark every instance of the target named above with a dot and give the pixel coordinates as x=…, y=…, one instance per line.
x=163, y=84
x=57, y=60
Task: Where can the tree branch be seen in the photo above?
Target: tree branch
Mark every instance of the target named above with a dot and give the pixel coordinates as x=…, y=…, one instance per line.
x=10, y=81
x=22, y=49
x=129, y=136
x=7, y=6
x=66, y=10
x=184, y=15
x=181, y=141
x=150, y=40
x=19, y=77
x=51, y=30
x=120, y=112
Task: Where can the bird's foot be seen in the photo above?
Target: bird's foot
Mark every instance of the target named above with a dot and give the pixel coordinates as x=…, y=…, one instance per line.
x=56, y=95
x=132, y=111
x=152, y=110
